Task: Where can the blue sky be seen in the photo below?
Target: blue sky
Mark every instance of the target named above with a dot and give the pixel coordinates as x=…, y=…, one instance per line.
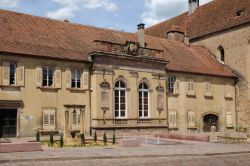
x=114, y=14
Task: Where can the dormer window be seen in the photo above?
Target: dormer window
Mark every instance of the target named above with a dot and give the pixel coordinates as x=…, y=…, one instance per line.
x=221, y=53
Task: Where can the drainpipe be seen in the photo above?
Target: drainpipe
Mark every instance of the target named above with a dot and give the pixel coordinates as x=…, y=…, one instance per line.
x=90, y=99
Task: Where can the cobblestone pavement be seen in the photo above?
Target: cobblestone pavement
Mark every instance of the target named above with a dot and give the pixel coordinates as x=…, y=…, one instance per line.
x=217, y=160
x=181, y=153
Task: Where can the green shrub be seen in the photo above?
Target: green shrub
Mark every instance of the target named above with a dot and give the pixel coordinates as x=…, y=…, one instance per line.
x=61, y=140
x=82, y=136
x=95, y=136
x=37, y=136
x=51, y=139
x=113, y=140
x=105, y=138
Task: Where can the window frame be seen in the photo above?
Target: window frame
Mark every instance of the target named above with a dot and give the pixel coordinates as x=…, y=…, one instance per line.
x=75, y=77
x=120, y=89
x=48, y=68
x=143, y=91
x=50, y=113
x=171, y=84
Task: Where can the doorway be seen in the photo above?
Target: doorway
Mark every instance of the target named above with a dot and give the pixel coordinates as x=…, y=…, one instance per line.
x=8, y=122
x=210, y=120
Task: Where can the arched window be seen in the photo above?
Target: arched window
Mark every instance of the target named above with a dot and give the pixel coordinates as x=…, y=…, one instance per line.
x=120, y=99
x=143, y=100
x=222, y=53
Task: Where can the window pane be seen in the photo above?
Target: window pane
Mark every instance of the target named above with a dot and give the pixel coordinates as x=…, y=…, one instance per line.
x=116, y=106
x=116, y=114
x=122, y=113
x=117, y=100
x=145, y=94
x=140, y=113
x=46, y=119
x=122, y=92
x=145, y=107
x=52, y=119
x=145, y=113
x=122, y=85
x=145, y=100
x=140, y=107
x=122, y=99
x=12, y=73
x=123, y=107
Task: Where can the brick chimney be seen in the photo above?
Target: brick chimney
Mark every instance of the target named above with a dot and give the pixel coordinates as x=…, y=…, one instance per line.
x=141, y=36
x=192, y=6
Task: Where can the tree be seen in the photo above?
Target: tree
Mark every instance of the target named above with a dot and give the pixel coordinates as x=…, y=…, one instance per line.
x=61, y=140
x=51, y=139
x=105, y=138
x=113, y=140
x=37, y=136
x=95, y=136
x=82, y=136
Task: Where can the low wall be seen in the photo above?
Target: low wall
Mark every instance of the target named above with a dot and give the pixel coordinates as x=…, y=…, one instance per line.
x=190, y=137
x=20, y=147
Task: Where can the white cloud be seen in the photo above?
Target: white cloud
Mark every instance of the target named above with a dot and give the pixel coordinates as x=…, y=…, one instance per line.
x=159, y=10
x=9, y=3
x=69, y=7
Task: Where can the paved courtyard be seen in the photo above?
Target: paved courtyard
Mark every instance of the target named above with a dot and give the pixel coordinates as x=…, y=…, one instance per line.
x=174, y=153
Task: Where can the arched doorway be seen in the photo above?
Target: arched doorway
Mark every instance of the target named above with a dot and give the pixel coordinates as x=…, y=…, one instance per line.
x=210, y=120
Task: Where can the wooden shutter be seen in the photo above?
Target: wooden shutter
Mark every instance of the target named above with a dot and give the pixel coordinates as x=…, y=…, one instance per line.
x=20, y=74
x=172, y=119
x=191, y=119
x=58, y=77
x=68, y=78
x=6, y=73
x=52, y=119
x=46, y=116
x=177, y=87
x=84, y=80
x=39, y=76
x=229, y=119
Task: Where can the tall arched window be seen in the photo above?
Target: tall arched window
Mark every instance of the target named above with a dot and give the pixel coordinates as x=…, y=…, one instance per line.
x=120, y=99
x=222, y=53
x=143, y=100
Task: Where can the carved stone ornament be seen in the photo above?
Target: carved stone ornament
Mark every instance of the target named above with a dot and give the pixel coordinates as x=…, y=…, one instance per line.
x=105, y=85
x=159, y=89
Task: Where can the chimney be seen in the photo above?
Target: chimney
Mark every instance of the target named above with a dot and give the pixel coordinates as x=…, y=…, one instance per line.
x=141, y=37
x=192, y=6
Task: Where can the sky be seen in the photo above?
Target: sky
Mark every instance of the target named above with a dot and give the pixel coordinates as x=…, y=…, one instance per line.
x=121, y=15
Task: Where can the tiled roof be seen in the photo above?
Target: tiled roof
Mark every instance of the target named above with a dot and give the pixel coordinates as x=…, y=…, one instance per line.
x=212, y=17
x=37, y=36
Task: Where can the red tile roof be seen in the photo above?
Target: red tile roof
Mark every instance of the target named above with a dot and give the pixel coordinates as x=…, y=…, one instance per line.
x=43, y=37
x=212, y=17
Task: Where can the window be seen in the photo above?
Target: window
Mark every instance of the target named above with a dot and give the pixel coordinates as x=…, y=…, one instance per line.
x=76, y=78
x=143, y=100
x=171, y=83
x=12, y=73
x=229, y=119
x=120, y=99
x=49, y=118
x=228, y=91
x=208, y=89
x=47, y=76
x=221, y=53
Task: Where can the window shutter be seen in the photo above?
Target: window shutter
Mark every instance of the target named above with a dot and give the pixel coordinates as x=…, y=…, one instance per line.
x=46, y=119
x=84, y=83
x=172, y=119
x=6, y=73
x=68, y=78
x=52, y=119
x=20, y=74
x=191, y=119
x=177, y=87
x=58, y=77
x=229, y=120
x=39, y=76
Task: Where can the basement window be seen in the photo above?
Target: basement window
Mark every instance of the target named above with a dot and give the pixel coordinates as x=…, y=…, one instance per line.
x=239, y=12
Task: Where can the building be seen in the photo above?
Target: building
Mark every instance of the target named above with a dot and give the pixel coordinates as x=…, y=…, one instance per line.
x=223, y=28
x=57, y=76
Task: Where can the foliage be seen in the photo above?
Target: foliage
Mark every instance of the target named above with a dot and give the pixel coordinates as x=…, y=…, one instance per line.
x=37, y=136
x=61, y=140
x=51, y=139
x=105, y=138
x=82, y=137
x=95, y=136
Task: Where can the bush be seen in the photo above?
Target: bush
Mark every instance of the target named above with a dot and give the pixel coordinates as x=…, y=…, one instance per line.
x=82, y=136
x=37, y=136
x=105, y=138
x=95, y=137
x=51, y=139
x=61, y=140
x=113, y=140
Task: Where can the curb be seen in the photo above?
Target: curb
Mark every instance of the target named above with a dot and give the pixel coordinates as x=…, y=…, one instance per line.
x=117, y=157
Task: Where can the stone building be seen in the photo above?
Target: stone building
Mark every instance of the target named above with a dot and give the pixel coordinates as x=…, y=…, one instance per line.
x=223, y=28
x=56, y=76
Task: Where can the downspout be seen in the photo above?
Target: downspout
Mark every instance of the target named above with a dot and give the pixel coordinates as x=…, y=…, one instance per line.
x=235, y=106
x=90, y=99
